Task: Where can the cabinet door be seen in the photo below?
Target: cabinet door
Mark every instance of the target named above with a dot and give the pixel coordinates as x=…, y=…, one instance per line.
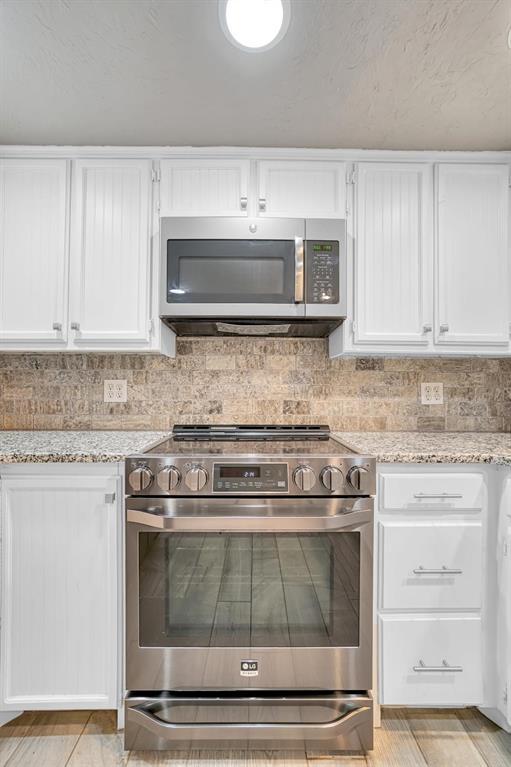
x=33, y=253
x=472, y=280
x=393, y=254
x=204, y=187
x=59, y=593
x=110, y=253
x=431, y=660
x=431, y=565
x=302, y=189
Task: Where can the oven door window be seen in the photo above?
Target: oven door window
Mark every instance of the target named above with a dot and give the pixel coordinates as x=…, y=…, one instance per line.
x=231, y=271
x=254, y=590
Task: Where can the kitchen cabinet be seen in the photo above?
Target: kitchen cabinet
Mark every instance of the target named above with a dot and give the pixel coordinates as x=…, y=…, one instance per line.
x=393, y=255
x=33, y=252
x=431, y=596
x=472, y=260
x=60, y=583
x=304, y=189
x=431, y=660
x=110, y=253
x=204, y=187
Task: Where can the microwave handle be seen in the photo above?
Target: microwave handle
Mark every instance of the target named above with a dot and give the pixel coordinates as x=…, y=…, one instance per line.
x=299, y=271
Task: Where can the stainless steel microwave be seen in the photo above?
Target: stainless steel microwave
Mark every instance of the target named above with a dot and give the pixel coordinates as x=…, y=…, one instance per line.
x=253, y=276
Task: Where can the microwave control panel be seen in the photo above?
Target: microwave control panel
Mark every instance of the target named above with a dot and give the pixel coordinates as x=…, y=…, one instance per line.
x=322, y=271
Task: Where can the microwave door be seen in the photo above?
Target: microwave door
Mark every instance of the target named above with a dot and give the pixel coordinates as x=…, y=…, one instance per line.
x=233, y=272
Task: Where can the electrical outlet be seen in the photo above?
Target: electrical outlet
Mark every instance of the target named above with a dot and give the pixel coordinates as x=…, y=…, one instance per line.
x=115, y=390
x=432, y=394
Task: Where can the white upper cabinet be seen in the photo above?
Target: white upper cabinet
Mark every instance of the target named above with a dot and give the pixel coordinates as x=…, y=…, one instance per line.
x=304, y=189
x=110, y=253
x=33, y=251
x=393, y=254
x=204, y=187
x=472, y=260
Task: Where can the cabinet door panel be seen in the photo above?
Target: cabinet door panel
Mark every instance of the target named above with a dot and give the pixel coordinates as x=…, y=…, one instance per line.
x=204, y=187
x=59, y=587
x=33, y=251
x=110, y=252
x=431, y=565
x=472, y=255
x=393, y=253
x=408, y=644
x=302, y=189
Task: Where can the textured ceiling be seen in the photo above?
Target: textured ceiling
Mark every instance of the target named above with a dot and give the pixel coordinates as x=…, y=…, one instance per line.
x=397, y=74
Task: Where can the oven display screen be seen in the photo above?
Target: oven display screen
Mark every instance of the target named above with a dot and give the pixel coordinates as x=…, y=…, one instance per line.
x=228, y=472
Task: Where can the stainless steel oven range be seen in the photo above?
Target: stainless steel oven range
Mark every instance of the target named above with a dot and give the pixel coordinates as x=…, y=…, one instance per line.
x=249, y=590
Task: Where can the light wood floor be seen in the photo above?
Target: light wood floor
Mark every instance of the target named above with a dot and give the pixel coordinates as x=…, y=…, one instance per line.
x=412, y=738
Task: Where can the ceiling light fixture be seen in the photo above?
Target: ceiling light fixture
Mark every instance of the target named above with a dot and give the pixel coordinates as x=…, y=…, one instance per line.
x=254, y=25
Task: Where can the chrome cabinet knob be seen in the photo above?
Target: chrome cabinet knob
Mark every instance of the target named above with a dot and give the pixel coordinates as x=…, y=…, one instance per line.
x=332, y=478
x=75, y=326
x=358, y=477
x=168, y=478
x=444, y=328
x=304, y=478
x=196, y=478
x=57, y=326
x=140, y=479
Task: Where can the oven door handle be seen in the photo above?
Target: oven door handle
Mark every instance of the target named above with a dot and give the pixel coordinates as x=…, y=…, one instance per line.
x=349, y=520
x=345, y=723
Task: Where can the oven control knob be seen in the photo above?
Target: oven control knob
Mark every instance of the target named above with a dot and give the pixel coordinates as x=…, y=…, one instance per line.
x=196, y=478
x=140, y=478
x=332, y=478
x=358, y=478
x=304, y=478
x=168, y=478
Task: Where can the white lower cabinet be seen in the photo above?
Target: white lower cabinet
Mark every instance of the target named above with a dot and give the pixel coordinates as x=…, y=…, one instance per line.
x=60, y=575
x=431, y=660
x=431, y=565
x=431, y=584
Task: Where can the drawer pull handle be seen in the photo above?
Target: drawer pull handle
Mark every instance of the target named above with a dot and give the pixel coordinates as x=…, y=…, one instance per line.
x=437, y=570
x=435, y=669
x=438, y=495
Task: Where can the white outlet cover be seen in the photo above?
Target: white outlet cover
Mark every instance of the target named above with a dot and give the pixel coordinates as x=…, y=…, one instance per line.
x=115, y=390
x=432, y=393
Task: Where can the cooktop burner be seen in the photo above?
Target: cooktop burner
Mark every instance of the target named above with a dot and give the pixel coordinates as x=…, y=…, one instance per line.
x=250, y=440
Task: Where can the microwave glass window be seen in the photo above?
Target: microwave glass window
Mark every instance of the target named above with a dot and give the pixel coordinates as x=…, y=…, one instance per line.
x=245, y=276
x=230, y=271
x=249, y=590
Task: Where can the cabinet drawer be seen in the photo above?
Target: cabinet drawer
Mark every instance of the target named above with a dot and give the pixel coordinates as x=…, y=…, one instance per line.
x=431, y=492
x=413, y=654
x=430, y=565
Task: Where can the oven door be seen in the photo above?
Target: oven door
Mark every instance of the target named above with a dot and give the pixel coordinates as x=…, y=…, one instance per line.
x=218, y=267
x=234, y=594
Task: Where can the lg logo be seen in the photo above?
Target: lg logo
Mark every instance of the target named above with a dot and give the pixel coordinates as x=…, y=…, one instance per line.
x=249, y=668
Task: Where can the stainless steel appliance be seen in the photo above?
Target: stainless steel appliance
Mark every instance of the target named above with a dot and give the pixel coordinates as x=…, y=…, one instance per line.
x=253, y=276
x=249, y=590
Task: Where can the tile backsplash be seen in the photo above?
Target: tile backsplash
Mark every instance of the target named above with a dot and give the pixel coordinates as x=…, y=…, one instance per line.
x=253, y=381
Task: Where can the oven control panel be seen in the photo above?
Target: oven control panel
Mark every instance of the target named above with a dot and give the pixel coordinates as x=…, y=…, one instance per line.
x=250, y=478
x=322, y=263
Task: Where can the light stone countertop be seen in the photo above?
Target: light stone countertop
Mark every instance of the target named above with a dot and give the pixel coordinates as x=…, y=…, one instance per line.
x=429, y=447
x=387, y=447
x=73, y=446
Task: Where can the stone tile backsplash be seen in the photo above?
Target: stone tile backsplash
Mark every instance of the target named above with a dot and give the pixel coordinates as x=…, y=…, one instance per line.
x=253, y=381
